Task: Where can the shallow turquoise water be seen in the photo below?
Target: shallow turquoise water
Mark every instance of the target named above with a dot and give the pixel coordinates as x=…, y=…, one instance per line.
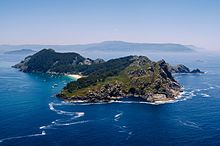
x=31, y=115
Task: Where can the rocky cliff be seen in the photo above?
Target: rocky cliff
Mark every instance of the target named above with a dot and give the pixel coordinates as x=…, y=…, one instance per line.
x=180, y=68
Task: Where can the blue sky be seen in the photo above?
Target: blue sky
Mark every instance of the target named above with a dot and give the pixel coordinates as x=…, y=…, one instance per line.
x=190, y=22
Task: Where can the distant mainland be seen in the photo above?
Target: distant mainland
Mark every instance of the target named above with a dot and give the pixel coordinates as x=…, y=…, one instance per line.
x=108, y=46
x=21, y=52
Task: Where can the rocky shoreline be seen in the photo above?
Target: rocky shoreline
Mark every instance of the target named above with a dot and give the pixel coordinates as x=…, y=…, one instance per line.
x=110, y=93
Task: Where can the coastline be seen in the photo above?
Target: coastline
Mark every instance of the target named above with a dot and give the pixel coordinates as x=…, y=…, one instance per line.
x=115, y=100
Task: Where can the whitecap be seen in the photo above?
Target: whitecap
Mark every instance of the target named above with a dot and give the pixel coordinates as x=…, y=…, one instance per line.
x=190, y=124
x=217, y=86
x=65, y=121
x=164, y=102
x=129, y=135
x=118, y=116
x=212, y=87
x=198, y=90
x=209, y=88
x=131, y=102
x=182, y=97
x=124, y=129
x=42, y=127
x=71, y=123
x=79, y=114
x=205, y=95
x=61, y=112
x=47, y=127
x=56, y=124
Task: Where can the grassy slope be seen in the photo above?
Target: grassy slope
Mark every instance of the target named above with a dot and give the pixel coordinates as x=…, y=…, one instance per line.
x=127, y=81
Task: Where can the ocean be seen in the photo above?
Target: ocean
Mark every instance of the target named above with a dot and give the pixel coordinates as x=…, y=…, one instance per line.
x=30, y=114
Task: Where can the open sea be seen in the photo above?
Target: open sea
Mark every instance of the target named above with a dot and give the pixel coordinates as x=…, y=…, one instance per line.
x=30, y=114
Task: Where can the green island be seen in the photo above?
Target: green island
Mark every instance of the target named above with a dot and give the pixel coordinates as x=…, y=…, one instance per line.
x=104, y=81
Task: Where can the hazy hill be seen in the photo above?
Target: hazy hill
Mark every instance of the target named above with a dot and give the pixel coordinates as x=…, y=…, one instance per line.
x=21, y=52
x=107, y=46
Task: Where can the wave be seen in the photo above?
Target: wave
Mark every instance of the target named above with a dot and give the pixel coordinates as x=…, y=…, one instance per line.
x=124, y=129
x=72, y=123
x=72, y=116
x=190, y=124
x=25, y=136
x=65, y=121
x=143, y=102
x=187, y=94
x=54, y=125
x=61, y=112
x=206, y=89
x=183, y=96
x=118, y=116
x=203, y=91
x=211, y=87
x=217, y=86
x=45, y=127
x=205, y=95
x=78, y=102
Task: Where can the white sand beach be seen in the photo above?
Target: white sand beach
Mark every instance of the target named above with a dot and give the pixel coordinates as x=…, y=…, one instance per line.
x=75, y=76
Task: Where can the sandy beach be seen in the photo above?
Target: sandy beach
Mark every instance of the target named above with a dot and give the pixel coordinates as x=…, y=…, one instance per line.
x=75, y=76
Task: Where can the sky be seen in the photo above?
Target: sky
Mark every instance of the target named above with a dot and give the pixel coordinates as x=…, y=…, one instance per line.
x=189, y=22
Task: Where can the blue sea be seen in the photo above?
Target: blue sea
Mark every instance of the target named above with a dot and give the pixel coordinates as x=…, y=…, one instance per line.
x=30, y=114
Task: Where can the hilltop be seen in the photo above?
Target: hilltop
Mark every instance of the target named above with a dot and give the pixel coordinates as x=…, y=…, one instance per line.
x=49, y=61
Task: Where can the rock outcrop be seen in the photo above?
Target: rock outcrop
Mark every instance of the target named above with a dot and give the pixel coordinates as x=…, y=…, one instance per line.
x=180, y=68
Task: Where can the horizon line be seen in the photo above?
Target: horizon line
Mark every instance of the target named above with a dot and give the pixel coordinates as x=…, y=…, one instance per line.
x=173, y=43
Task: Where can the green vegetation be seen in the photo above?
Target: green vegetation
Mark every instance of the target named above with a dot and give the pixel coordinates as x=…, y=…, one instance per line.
x=135, y=76
x=99, y=72
x=49, y=60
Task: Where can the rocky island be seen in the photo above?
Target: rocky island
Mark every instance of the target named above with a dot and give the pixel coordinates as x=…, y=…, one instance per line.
x=20, y=52
x=135, y=76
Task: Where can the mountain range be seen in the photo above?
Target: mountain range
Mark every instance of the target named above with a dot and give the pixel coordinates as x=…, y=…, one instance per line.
x=21, y=52
x=107, y=46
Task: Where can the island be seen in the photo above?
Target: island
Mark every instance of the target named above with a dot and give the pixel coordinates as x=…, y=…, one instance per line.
x=20, y=52
x=104, y=81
